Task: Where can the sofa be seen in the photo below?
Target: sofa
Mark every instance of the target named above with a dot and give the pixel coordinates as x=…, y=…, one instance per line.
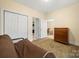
x=21, y=49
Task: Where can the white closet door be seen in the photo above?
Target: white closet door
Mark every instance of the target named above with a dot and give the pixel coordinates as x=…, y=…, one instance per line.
x=15, y=25
x=37, y=28
x=43, y=28
x=11, y=24
x=22, y=26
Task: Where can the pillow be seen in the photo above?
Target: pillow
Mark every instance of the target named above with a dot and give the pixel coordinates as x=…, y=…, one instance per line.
x=7, y=49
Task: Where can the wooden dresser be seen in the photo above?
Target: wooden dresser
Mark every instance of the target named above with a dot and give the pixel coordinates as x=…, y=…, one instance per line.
x=61, y=35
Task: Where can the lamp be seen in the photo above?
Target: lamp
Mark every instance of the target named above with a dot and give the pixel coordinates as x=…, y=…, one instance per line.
x=46, y=0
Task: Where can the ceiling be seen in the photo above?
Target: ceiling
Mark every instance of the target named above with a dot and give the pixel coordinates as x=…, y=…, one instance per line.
x=51, y=5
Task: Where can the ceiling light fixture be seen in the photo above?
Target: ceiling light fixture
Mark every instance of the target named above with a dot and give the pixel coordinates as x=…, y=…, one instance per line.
x=46, y=0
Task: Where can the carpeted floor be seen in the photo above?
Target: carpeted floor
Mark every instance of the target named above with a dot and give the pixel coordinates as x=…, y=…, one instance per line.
x=60, y=50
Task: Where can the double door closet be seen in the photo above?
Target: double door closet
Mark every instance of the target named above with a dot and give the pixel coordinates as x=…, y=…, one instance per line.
x=15, y=24
x=39, y=28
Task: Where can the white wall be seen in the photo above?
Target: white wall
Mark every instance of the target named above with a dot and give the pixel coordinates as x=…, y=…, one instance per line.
x=67, y=17
x=0, y=21
x=10, y=5
x=17, y=7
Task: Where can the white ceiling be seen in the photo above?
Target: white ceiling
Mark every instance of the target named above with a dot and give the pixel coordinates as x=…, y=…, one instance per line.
x=46, y=7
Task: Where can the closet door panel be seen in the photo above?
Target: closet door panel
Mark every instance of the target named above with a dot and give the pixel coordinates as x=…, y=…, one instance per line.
x=10, y=27
x=43, y=28
x=37, y=28
x=22, y=26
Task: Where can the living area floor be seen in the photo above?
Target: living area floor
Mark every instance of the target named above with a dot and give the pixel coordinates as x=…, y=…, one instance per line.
x=58, y=49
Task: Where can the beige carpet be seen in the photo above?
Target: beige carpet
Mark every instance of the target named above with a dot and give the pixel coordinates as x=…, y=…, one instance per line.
x=60, y=50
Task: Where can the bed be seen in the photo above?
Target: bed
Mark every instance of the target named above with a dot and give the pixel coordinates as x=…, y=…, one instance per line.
x=22, y=48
